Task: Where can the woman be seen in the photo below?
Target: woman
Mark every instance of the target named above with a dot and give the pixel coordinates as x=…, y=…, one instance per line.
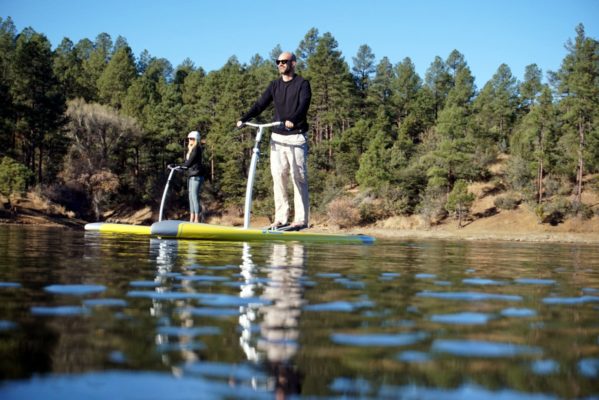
x=193, y=163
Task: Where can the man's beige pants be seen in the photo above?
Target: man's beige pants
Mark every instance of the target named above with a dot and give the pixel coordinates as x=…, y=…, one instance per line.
x=290, y=160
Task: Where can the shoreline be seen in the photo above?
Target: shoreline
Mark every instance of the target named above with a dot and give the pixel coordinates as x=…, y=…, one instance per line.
x=385, y=233
x=528, y=237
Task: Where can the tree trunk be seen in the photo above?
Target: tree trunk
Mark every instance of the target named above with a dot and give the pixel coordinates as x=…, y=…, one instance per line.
x=580, y=162
x=541, y=166
x=39, y=165
x=540, y=177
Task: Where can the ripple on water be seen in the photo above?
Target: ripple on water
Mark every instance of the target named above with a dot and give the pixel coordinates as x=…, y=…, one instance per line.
x=378, y=339
x=589, y=367
x=75, y=290
x=145, y=284
x=165, y=296
x=544, y=367
x=188, y=332
x=202, y=278
x=105, y=303
x=178, y=346
x=469, y=296
x=531, y=281
x=463, y=318
x=117, y=357
x=59, y=311
x=347, y=385
x=225, y=370
x=337, y=306
x=7, y=325
x=9, y=285
x=224, y=300
x=350, y=284
x=518, y=312
x=209, y=311
x=571, y=300
x=482, y=282
x=412, y=356
x=123, y=384
x=389, y=276
x=464, y=392
x=479, y=348
x=328, y=275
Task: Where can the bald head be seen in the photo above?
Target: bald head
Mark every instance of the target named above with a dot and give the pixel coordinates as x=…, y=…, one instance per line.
x=286, y=65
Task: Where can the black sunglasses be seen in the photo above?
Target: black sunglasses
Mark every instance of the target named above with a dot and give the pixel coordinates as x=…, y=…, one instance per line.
x=284, y=62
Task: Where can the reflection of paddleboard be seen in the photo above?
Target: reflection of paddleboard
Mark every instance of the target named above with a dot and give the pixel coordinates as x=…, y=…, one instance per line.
x=189, y=230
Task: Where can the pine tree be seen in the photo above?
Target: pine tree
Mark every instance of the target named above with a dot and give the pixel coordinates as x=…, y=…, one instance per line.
x=531, y=87
x=117, y=77
x=496, y=108
x=306, y=49
x=577, y=81
x=7, y=112
x=537, y=135
x=349, y=147
x=459, y=201
x=363, y=69
x=96, y=60
x=439, y=81
x=373, y=171
x=38, y=101
x=380, y=93
x=406, y=86
x=68, y=68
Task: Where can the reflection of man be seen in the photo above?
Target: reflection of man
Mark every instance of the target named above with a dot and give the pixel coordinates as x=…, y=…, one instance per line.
x=281, y=317
x=280, y=325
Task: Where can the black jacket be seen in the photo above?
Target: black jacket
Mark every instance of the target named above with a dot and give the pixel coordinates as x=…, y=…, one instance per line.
x=194, y=162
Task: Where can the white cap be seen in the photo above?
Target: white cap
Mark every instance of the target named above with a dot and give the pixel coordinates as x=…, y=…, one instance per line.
x=194, y=135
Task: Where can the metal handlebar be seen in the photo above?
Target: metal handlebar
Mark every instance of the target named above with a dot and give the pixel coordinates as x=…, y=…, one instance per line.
x=270, y=124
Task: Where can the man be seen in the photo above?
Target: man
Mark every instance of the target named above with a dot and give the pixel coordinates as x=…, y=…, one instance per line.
x=291, y=95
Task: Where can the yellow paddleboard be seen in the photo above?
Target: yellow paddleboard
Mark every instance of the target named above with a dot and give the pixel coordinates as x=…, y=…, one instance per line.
x=189, y=230
x=119, y=228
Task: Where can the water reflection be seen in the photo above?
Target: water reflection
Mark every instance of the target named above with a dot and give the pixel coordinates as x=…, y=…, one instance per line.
x=415, y=319
x=279, y=328
x=269, y=303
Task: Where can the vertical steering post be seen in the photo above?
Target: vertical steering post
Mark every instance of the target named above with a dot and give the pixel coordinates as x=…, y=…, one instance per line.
x=252, y=173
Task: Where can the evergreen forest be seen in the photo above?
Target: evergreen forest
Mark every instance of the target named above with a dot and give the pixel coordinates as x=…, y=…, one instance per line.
x=93, y=127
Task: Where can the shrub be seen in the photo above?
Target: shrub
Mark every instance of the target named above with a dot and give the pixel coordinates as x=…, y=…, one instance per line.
x=555, y=211
x=432, y=207
x=343, y=213
x=13, y=177
x=372, y=210
x=582, y=210
x=507, y=202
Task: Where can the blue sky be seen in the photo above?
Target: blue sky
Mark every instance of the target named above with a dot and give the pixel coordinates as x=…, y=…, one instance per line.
x=487, y=32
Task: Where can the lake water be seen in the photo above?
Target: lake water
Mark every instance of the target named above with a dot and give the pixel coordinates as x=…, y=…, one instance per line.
x=90, y=316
